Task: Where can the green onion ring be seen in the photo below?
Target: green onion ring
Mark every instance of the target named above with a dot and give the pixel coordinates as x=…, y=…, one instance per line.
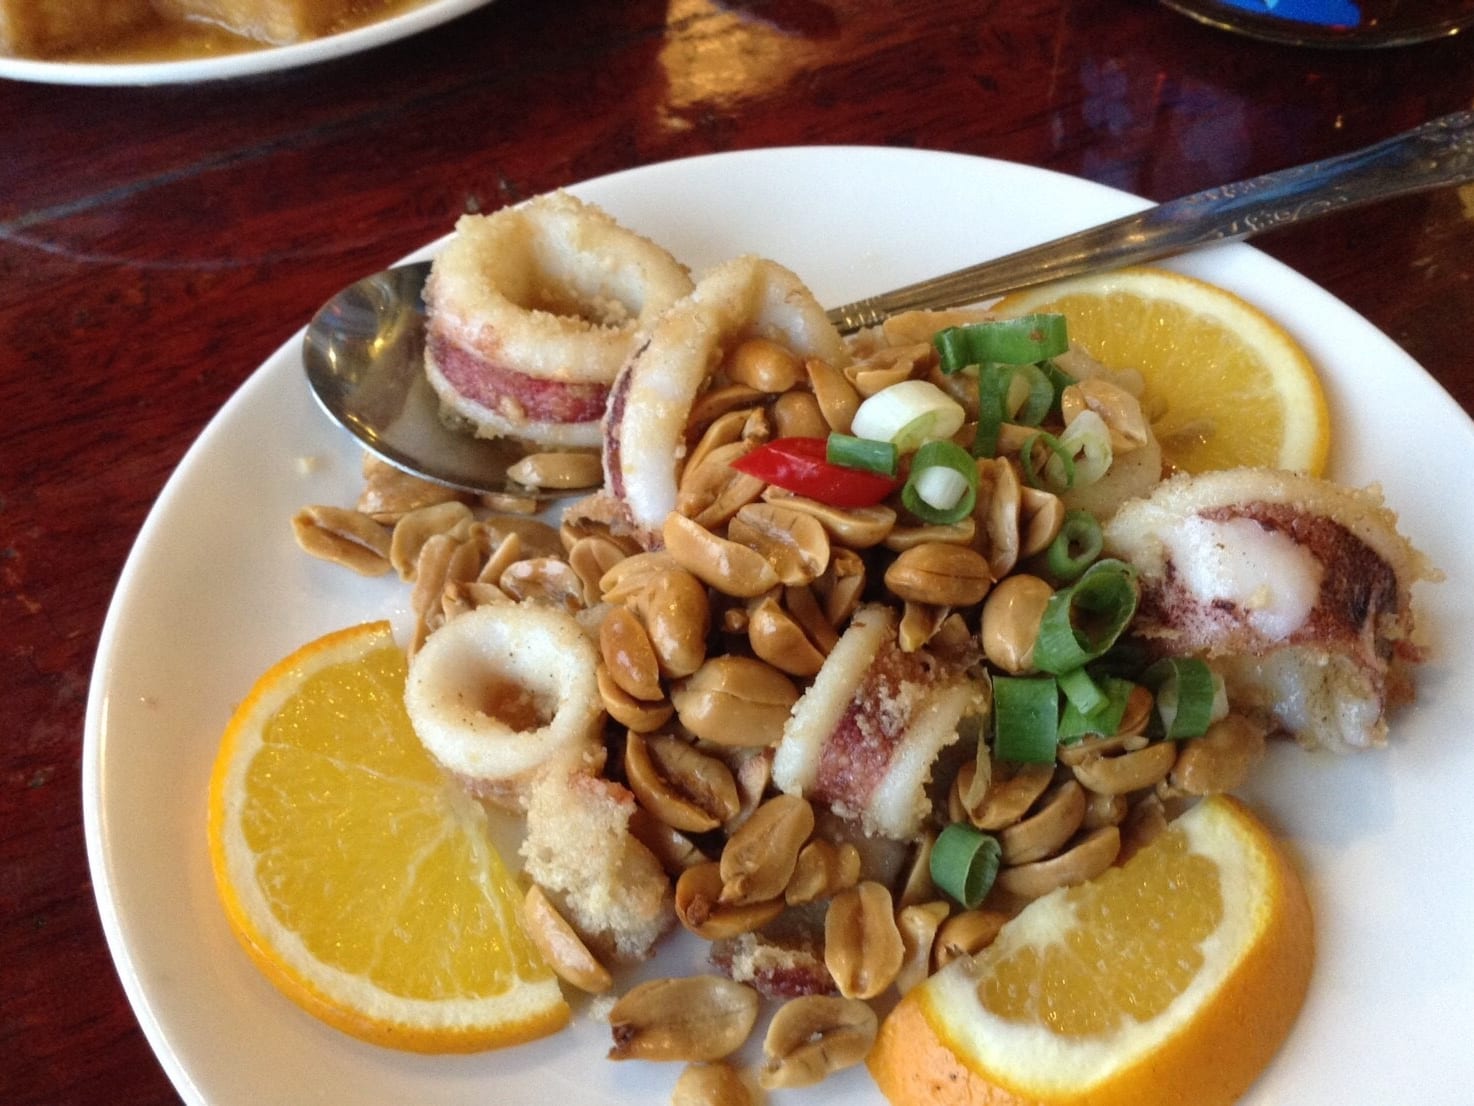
x=1185, y=690
x=1104, y=721
x=1032, y=476
x=1075, y=547
x=1025, y=718
x=964, y=863
x=946, y=455
x=1021, y=341
x=1084, y=620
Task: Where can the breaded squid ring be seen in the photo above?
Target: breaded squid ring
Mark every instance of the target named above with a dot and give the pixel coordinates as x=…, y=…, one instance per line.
x=645, y=426
x=505, y=693
x=533, y=310
x=866, y=733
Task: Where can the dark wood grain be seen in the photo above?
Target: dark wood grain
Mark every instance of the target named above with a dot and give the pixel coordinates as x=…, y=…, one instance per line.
x=157, y=243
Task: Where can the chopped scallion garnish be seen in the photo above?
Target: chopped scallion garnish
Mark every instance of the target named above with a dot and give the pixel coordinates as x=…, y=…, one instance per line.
x=908, y=414
x=1084, y=620
x=1101, y=722
x=964, y=863
x=1022, y=341
x=1186, y=691
x=1059, y=470
x=1075, y=547
x=864, y=454
x=943, y=484
x=1025, y=718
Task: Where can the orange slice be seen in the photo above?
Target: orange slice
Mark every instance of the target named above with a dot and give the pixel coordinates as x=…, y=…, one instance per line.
x=1225, y=384
x=1173, y=978
x=358, y=876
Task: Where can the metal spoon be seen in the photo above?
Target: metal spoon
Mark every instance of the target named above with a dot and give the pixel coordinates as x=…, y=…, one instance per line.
x=363, y=349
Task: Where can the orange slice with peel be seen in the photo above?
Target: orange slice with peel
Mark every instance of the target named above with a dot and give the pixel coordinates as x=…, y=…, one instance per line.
x=358, y=876
x=1173, y=978
x=1225, y=384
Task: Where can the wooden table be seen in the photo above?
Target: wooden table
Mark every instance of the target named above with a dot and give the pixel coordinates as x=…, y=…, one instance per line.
x=157, y=243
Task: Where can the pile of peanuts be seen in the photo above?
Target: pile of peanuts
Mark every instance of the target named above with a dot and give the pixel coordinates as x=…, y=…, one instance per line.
x=707, y=642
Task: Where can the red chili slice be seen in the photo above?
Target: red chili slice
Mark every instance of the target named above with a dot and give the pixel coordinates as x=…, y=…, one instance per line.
x=798, y=465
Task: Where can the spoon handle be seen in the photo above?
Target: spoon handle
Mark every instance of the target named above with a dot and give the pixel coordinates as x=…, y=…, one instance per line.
x=1440, y=152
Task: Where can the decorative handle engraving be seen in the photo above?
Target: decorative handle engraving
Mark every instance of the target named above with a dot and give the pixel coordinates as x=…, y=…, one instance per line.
x=1438, y=153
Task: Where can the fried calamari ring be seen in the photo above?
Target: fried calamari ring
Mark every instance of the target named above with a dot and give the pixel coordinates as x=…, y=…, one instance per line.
x=505, y=693
x=645, y=426
x=533, y=310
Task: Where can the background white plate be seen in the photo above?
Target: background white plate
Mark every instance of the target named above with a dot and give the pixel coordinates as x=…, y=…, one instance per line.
x=422, y=18
x=216, y=590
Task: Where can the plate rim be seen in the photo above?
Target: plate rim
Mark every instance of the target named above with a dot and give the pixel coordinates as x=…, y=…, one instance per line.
x=249, y=63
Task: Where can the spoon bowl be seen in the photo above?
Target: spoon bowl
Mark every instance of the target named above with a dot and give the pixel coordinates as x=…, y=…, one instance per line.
x=364, y=349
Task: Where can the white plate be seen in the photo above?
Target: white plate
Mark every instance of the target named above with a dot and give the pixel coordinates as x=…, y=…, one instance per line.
x=430, y=14
x=216, y=590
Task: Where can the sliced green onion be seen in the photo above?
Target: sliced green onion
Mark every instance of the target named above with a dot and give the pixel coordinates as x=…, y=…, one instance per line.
x=1081, y=692
x=964, y=863
x=1084, y=620
x=908, y=414
x=1087, y=441
x=1025, y=718
x=937, y=471
x=1060, y=476
x=1029, y=396
x=1101, y=722
x=990, y=410
x=1186, y=691
x=864, y=454
x=1075, y=547
x=1021, y=341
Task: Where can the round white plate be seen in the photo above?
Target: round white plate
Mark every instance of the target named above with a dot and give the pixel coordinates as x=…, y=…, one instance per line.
x=430, y=14
x=216, y=590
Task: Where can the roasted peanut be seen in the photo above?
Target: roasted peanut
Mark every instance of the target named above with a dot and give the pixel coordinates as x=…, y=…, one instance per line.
x=796, y=414
x=1085, y=860
x=851, y=527
x=794, y=543
x=723, y=431
x=918, y=924
x=416, y=528
x=837, y=397
x=700, y=909
x=590, y=558
x=765, y=365
x=731, y=568
x=390, y=493
x=965, y=934
x=1010, y=794
x=862, y=946
x=629, y=656
x=638, y=715
x=680, y=785
x=823, y=868
x=734, y=700
x=697, y=1018
x=718, y=401
x=917, y=886
x=759, y=858
x=348, y=538
x=813, y=1036
x=713, y=1084
x=1010, y=625
x=840, y=589
x=776, y=637
x=713, y=491
x=560, y=944
x=902, y=538
x=1058, y=816
x=563, y=471
x=941, y=574
x=1221, y=759
x=546, y=579
x=1116, y=775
